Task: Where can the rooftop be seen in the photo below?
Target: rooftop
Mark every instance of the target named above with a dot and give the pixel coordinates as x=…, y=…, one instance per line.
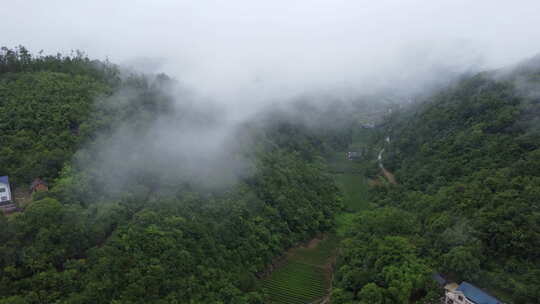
x=4, y=179
x=476, y=294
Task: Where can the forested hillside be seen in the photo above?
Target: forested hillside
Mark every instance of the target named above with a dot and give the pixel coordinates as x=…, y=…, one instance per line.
x=467, y=162
x=137, y=214
x=45, y=103
x=152, y=242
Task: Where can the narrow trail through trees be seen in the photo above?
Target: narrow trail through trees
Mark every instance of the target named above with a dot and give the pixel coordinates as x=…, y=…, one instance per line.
x=387, y=174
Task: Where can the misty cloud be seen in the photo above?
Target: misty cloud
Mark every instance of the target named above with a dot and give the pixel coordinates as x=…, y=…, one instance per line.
x=173, y=138
x=246, y=52
x=236, y=59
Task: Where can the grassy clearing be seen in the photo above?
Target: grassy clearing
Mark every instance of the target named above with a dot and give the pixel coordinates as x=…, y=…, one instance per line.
x=350, y=175
x=305, y=276
x=354, y=188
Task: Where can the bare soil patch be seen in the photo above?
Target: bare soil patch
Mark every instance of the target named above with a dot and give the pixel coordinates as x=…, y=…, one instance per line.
x=389, y=176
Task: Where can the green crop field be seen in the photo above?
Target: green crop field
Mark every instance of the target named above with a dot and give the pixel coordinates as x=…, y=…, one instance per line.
x=304, y=278
x=354, y=188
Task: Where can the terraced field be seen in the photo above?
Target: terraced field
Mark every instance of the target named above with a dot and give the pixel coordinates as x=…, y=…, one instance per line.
x=305, y=276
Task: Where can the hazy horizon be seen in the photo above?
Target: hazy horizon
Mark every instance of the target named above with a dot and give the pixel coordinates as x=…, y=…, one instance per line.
x=247, y=52
x=235, y=59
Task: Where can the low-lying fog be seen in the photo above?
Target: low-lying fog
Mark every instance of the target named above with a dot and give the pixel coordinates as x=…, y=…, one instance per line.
x=243, y=56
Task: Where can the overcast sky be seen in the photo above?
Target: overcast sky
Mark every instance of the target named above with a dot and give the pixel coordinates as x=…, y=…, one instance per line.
x=254, y=49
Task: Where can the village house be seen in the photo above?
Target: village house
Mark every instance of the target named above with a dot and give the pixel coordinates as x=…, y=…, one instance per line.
x=467, y=293
x=354, y=155
x=5, y=190
x=6, y=200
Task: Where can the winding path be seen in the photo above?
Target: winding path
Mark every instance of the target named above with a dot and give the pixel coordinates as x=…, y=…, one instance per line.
x=389, y=176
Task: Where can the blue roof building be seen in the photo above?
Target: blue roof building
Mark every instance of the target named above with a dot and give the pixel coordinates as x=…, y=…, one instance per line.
x=476, y=295
x=467, y=293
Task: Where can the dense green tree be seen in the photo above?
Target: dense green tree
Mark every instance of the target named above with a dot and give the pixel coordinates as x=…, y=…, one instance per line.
x=155, y=241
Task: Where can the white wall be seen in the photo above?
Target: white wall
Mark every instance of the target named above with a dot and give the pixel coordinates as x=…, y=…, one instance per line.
x=6, y=194
x=454, y=295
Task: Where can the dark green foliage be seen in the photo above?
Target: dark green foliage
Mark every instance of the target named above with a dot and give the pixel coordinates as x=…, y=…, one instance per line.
x=45, y=103
x=17, y=60
x=467, y=163
x=152, y=242
x=379, y=261
x=191, y=247
x=476, y=169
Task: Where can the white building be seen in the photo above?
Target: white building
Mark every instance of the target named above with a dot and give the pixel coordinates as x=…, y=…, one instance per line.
x=5, y=191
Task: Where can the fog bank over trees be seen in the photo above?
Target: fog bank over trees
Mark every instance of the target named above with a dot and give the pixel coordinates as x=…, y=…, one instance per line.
x=244, y=54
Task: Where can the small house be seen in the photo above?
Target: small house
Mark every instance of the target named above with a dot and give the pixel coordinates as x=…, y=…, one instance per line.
x=5, y=190
x=467, y=293
x=6, y=197
x=353, y=155
x=38, y=185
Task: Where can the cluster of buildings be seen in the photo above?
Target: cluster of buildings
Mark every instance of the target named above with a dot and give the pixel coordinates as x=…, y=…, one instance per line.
x=7, y=201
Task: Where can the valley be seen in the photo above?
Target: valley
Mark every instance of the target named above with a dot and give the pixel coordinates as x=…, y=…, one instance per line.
x=305, y=204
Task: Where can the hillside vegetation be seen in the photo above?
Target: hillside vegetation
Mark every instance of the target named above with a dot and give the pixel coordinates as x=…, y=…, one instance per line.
x=44, y=102
x=154, y=241
x=124, y=222
x=467, y=204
